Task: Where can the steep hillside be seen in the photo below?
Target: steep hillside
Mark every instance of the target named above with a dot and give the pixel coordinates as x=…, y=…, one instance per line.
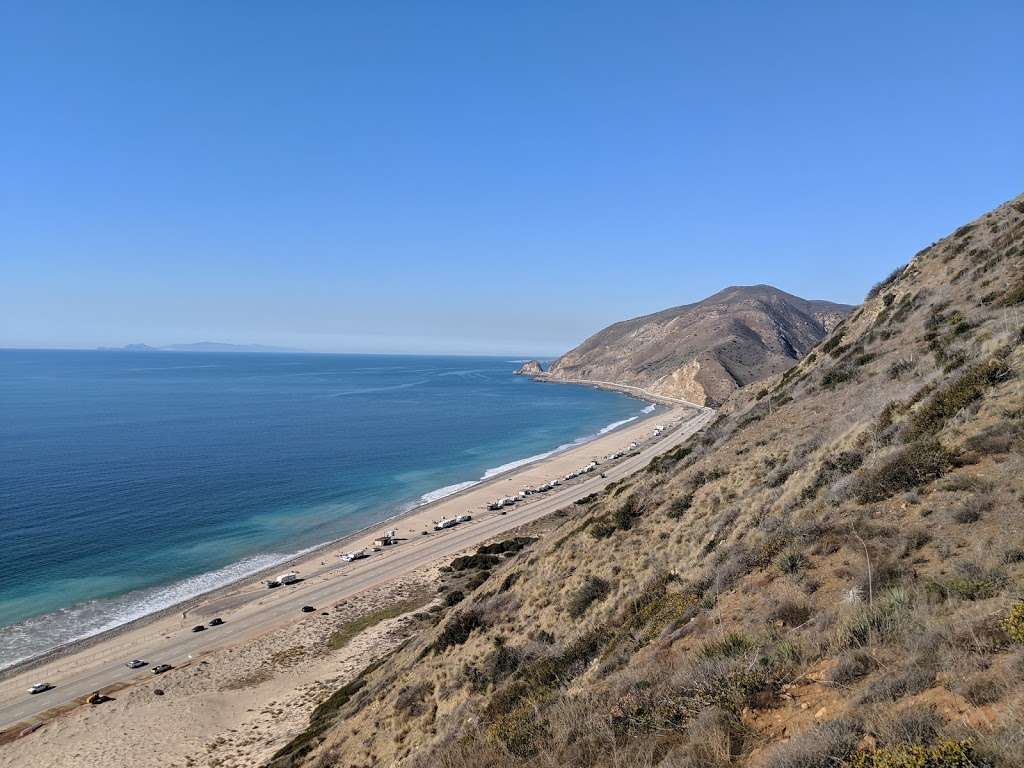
x=830, y=575
x=703, y=352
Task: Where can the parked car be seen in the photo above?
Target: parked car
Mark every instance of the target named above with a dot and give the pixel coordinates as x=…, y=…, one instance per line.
x=308, y=609
x=198, y=628
x=39, y=688
x=159, y=669
x=135, y=663
x=216, y=622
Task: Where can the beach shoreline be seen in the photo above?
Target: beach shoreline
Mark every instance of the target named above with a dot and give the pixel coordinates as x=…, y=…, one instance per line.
x=204, y=705
x=185, y=606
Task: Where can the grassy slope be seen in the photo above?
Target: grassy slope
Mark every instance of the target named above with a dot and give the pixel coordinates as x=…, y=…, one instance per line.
x=823, y=578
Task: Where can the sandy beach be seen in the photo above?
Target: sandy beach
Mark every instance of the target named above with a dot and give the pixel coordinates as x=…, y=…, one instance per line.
x=239, y=690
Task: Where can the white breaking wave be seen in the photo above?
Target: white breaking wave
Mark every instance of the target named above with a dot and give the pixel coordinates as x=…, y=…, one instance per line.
x=649, y=409
x=519, y=463
x=448, y=490
x=37, y=635
x=616, y=425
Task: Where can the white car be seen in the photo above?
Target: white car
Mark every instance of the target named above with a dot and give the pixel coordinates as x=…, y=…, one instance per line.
x=40, y=687
x=135, y=663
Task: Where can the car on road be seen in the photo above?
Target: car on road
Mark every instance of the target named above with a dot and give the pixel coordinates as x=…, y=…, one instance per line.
x=199, y=628
x=135, y=663
x=308, y=609
x=216, y=622
x=39, y=688
x=159, y=669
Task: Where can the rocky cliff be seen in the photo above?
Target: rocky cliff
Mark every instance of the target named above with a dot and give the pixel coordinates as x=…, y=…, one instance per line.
x=530, y=368
x=703, y=352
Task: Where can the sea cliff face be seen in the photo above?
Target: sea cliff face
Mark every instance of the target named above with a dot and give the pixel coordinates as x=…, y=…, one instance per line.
x=703, y=352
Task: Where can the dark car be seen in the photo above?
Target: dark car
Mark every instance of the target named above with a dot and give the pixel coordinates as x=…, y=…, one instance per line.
x=308, y=609
x=216, y=622
x=159, y=669
x=198, y=628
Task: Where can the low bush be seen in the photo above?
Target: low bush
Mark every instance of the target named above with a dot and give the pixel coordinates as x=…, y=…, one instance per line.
x=899, y=367
x=837, y=375
x=833, y=468
x=1014, y=623
x=852, y=667
x=730, y=646
x=887, y=619
x=680, y=505
x=791, y=561
x=952, y=398
x=592, y=590
x=918, y=676
x=410, y=699
x=508, y=545
x=971, y=510
x=913, y=465
x=457, y=630
x=827, y=744
x=477, y=561
x=791, y=613
x=880, y=286
x=945, y=754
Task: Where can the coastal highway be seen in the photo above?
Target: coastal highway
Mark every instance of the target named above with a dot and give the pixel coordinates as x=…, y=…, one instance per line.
x=254, y=610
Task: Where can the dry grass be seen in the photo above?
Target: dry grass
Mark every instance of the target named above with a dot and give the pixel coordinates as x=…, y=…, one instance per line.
x=848, y=550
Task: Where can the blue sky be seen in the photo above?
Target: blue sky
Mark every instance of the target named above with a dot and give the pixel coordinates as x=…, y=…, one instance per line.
x=478, y=177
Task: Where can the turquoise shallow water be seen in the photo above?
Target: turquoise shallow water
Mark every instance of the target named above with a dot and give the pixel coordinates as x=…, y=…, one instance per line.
x=130, y=481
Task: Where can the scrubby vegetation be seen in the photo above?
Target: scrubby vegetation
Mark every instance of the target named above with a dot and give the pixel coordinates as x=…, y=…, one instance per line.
x=831, y=582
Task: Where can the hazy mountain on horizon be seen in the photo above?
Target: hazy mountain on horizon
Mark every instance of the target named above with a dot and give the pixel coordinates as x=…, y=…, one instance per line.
x=199, y=346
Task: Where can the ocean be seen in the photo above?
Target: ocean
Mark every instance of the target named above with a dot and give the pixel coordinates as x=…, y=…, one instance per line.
x=130, y=481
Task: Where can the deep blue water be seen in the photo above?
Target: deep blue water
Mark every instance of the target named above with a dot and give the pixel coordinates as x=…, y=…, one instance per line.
x=129, y=480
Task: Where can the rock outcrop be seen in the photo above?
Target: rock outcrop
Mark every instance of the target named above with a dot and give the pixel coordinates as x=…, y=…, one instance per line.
x=703, y=352
x=530, y=368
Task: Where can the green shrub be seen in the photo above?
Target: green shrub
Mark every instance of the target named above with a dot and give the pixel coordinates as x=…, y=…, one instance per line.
x=592, y=590
x=884, y=620
x=457, y=630
x=477, y=561
x=1014, y=623
x=837, y=375
x=732, y=645
x=945, y=754
x=833, y=341
x=601, y=528
x=832, y=468
x=951, y=399
x=680, y=505
x=911, y=466
x=966, y=587
x=791, y=561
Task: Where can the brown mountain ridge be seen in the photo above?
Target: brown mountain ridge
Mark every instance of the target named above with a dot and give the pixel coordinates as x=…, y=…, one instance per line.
x=703, y=352
x=831, y=574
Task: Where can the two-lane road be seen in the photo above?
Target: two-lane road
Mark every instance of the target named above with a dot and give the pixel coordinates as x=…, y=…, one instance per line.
x=258, y=610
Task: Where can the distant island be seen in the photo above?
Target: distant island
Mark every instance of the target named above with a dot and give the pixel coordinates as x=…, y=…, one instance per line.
x=199, y=346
